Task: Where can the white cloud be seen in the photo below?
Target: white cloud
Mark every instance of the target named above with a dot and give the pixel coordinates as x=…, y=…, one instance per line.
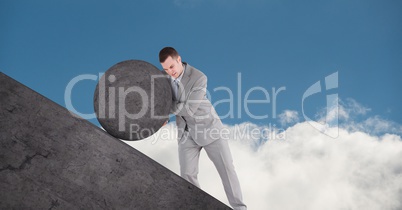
x=348, y=114
x=288, y=117
x=305, y=170
x=353, y=107
x=374, y=125
x=345, y=110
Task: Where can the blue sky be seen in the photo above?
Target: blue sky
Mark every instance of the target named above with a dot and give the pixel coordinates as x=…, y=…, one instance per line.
x=272, y=44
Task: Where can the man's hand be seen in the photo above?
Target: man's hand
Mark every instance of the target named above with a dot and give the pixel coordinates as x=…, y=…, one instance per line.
x=165, y=123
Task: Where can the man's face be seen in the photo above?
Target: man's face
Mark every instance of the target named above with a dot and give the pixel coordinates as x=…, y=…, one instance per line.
x=173, y=66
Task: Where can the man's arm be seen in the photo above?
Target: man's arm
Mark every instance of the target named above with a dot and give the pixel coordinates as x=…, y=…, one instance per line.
x=196, y=96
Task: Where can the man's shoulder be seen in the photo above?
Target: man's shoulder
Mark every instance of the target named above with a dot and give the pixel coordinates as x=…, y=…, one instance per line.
x=194, y=72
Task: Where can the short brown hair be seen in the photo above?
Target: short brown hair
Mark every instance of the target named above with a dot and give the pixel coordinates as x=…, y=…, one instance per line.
x=166, y=52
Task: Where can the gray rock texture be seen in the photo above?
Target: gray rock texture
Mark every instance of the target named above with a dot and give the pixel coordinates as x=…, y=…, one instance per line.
x=50, y=159
x=132, y=100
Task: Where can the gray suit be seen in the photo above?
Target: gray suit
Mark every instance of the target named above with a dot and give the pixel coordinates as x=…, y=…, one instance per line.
x=198, y=127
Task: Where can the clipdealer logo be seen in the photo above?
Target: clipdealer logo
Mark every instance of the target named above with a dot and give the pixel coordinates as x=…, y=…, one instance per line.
x=329, y=125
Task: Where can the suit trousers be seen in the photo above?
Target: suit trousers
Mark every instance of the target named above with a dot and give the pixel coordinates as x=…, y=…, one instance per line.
x=219, y=153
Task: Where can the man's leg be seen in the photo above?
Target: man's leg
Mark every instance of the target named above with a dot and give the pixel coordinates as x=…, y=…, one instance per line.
x=219, y=153
x=189, y=154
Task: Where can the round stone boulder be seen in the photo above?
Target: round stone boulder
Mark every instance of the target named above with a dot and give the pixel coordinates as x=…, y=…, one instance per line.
x=132, y=100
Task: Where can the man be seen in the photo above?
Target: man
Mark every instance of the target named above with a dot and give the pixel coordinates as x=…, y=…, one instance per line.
x=198, y=125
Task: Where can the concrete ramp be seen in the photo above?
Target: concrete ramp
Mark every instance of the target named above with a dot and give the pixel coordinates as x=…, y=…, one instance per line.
x=50, y=159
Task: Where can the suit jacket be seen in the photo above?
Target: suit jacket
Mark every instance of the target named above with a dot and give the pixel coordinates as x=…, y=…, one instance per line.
x=195, y=114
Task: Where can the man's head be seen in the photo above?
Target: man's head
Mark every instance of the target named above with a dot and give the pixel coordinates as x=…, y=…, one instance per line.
x=171, y=61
